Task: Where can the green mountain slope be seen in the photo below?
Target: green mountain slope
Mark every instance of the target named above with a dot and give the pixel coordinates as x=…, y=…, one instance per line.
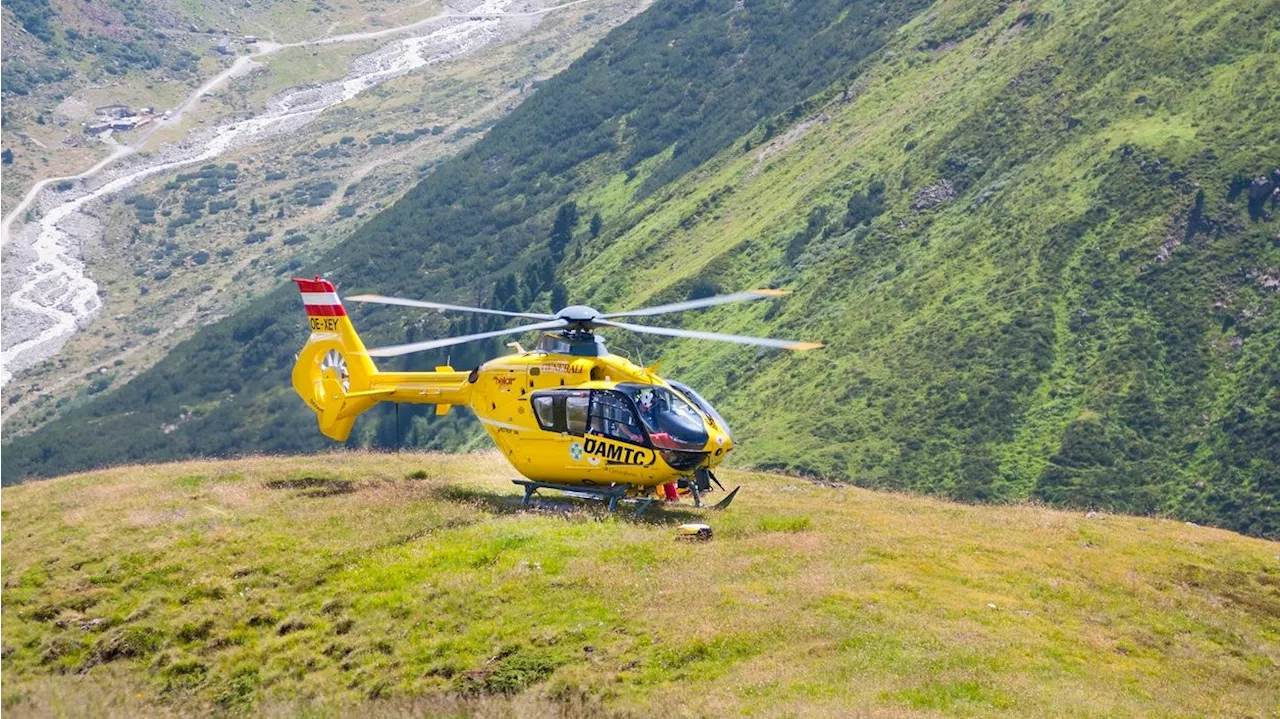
x=687, y=70
x=1030, y=252
x=1038, y=240
x=413, y=585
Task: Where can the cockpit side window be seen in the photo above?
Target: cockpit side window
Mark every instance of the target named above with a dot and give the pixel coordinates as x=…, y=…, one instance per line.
x=562, y=410
x=575, y=411
x=544, y=408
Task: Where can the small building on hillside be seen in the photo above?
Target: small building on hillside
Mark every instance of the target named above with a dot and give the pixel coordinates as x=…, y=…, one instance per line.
x=129, y=123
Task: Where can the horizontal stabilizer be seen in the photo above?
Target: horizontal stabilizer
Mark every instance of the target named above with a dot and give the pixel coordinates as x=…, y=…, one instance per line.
x=369, y=393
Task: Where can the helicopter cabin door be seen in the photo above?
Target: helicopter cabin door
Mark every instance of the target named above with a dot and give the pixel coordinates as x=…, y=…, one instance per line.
x=588, y=437
x=616, y=440
x=553, y=453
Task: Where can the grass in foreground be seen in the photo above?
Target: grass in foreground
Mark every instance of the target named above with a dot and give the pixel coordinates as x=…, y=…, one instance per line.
x=413, y=584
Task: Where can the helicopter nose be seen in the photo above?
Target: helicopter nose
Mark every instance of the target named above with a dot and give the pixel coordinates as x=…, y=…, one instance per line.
x=723, y=443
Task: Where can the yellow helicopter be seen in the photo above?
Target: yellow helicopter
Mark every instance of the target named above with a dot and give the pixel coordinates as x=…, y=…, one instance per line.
x=568, y=414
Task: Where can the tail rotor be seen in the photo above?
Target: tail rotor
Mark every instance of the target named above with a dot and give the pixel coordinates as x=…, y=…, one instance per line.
x=335, y=362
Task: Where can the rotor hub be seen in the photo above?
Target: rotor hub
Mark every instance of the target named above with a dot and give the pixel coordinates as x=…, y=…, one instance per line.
x=578, y=314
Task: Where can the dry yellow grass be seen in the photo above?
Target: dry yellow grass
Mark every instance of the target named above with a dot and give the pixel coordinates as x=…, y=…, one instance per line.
x=412, y=584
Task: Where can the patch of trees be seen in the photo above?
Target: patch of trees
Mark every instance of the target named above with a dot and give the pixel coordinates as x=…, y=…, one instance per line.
x=562, y=229
x=19, y=78
x=184, y=63
x=193, y=205
x=117, y=58
x=34, y=15
x=313, y=193
x=207, y=175
x=205, y=190
x=866, y=205
x=815, y=225
x=144, y=208
x=795, y=50
x=395, y=138
x=181, y=221
x=216, y=206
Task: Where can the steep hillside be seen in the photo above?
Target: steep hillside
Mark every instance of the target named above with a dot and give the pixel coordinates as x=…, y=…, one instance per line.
x=1038, y=239
x=412, y=585
x=482, y=214
x=1034, y=243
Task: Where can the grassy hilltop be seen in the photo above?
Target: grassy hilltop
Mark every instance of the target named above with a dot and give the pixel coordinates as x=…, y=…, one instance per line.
x=375, y=584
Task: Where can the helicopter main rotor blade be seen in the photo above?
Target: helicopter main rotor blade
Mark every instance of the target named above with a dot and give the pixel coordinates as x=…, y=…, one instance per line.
x=697, y=335
x=697, y=304
x=397, y=350
x=381, y=300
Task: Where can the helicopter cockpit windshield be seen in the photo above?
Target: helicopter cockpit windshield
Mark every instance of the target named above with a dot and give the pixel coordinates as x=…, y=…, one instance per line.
x=672, y=423
x=703, y=405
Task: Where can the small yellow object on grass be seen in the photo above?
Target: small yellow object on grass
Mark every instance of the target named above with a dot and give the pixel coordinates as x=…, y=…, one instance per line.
x=694, y=532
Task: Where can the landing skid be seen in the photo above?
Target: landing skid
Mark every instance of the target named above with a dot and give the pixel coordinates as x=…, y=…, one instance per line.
x=611, y=495
x=724, y=503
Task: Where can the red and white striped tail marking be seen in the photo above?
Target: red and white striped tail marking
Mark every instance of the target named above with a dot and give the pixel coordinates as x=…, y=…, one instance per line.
x=320, y=298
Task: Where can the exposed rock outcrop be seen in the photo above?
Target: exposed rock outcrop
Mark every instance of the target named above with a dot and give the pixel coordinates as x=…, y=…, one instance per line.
x=937, y=194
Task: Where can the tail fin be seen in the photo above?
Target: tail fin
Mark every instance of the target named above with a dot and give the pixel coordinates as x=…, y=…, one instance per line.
x=333, y=373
